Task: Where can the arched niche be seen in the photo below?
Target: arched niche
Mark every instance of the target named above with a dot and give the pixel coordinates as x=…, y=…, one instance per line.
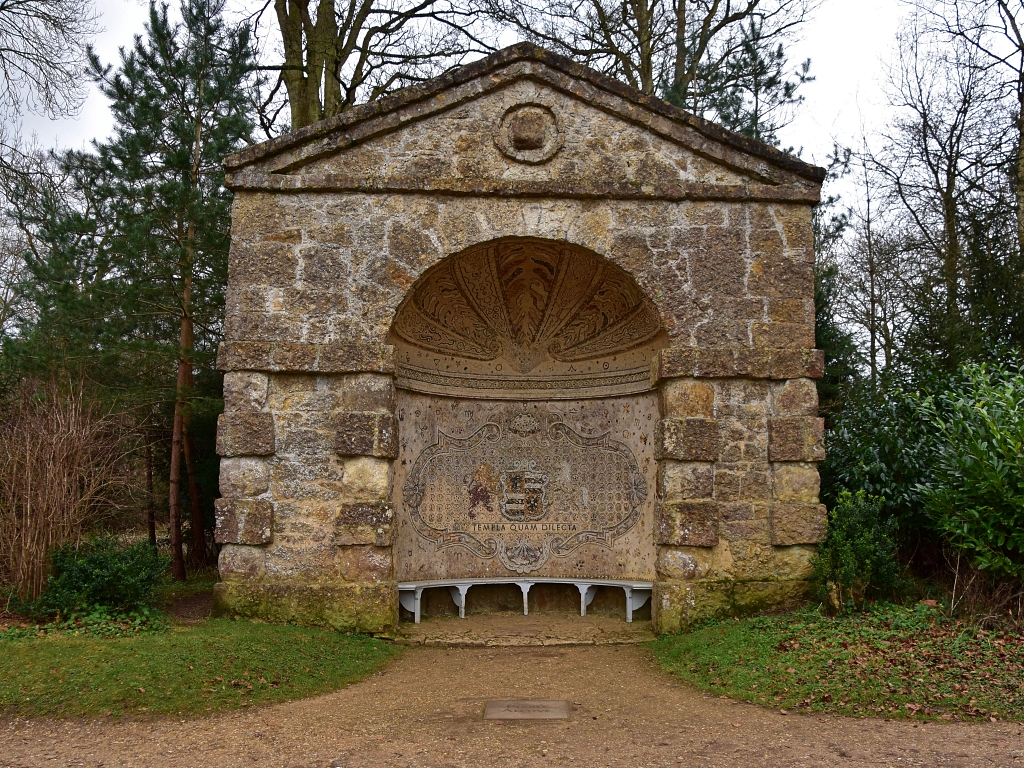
x=525, y=318
x=526, y=417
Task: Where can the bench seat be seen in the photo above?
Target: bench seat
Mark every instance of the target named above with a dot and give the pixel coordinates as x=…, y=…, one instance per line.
x=637, y=592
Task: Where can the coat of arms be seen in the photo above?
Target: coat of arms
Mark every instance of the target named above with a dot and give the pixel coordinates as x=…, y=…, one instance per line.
x=523, y=493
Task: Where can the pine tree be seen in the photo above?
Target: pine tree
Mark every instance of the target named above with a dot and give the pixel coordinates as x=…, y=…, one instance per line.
x=180, y=103
x=750, y=91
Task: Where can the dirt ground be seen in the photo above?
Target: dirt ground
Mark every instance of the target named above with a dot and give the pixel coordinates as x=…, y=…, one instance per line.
x=193, y=609
x=425, y=709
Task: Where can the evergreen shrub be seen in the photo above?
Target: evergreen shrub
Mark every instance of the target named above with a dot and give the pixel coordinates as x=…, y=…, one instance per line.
x=102, y=572
x=858, y=557
x=975, y=491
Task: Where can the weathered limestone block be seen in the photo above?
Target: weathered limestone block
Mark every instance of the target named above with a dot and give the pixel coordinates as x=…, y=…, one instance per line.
x=688, y=398
x=690, y=523
x=244, y=521
x=245, y=391
x=751, y=597
x=682, y=480
x=782, y=336
x=359, y=607
x=240, y=562
x=790, y=310
x=793, y=562
x=365, y=563
x=759, y=363
x=742, y=482
x=678, y=563
x=695, y=562
x=243, y=477
x=774, y=274
x=368, y=392
x=752, y=557
x=798, y=233
x=346, y=358
x=365, y=523
x=266, y=263
x=796, y=438
x=366, y=434
x=245, y=433
x=677, y=604
x=743, y=521
x=796, y=397
x=687, y=439
x=797, y=523
x=743, y=440
x=681, y=603
x=796, y=482
x=366, y=479
x=797, y=363
x=741, y=398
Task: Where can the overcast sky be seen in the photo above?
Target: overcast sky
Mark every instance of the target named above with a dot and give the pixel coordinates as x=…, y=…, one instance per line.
x=847, y=42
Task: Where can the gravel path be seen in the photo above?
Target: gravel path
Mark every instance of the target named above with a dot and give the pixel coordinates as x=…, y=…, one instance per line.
x=425, y=710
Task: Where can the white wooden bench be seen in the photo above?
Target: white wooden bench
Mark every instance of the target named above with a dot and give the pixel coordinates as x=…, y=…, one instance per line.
x=637, y=592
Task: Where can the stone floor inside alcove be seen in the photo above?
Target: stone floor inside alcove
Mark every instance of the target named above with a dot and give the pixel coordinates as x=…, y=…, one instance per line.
x=514, y=629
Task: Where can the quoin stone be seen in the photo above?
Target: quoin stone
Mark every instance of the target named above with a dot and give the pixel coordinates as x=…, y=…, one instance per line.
x=518, y=321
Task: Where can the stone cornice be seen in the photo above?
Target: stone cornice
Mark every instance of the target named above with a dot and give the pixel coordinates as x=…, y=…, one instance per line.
x=693, y=362
x=583, y=190
x=297, y=357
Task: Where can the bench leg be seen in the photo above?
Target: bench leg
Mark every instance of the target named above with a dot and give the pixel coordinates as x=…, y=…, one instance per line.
x=458, y=593
x=525, y=587
x=416, y=612
x=629, y=604
x=587, y=593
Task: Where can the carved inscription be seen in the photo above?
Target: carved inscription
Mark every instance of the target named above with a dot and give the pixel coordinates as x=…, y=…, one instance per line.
x=555, y=317
x=559, y=488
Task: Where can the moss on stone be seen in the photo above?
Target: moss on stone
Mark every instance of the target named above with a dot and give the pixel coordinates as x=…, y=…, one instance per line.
x=370, y=608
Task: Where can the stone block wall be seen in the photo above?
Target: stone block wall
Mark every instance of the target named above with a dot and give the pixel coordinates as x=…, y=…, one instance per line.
x=305, y=520
x=738, y=512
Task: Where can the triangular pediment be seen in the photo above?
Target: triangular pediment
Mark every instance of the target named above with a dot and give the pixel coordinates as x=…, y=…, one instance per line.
x=517, y=121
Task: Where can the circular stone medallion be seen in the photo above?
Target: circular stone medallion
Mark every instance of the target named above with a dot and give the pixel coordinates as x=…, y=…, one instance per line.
x=529, y=133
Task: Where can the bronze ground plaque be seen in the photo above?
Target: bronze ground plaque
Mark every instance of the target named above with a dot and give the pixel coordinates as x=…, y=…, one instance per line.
x=526, y=710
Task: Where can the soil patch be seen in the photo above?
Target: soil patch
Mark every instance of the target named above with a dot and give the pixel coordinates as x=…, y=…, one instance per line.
x=425, y=709
x=192, y=609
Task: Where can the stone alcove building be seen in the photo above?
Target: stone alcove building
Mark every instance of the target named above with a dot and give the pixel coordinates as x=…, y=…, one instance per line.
x=519, y=319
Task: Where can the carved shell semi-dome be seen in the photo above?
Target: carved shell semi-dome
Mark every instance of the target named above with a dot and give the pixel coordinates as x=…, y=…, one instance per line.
x=526, y=318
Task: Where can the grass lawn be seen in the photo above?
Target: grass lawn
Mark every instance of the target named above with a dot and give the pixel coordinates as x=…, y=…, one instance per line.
x=217, y=665
x=890, y=661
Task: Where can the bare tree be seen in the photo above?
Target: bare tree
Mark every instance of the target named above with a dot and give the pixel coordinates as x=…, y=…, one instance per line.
x=994, y=29
x=687, y=50
x=42, y=54
x=61, y=473
x=946, y=148
x=42, y=62
x=338, y=53
x=877, y=275
x=946, y=169
x=13, y=304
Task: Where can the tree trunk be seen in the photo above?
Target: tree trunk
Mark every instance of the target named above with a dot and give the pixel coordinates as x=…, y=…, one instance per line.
x=178, y=435
x=199, y=559
x=151, y=500
x=309, y=60
x=174, y=483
